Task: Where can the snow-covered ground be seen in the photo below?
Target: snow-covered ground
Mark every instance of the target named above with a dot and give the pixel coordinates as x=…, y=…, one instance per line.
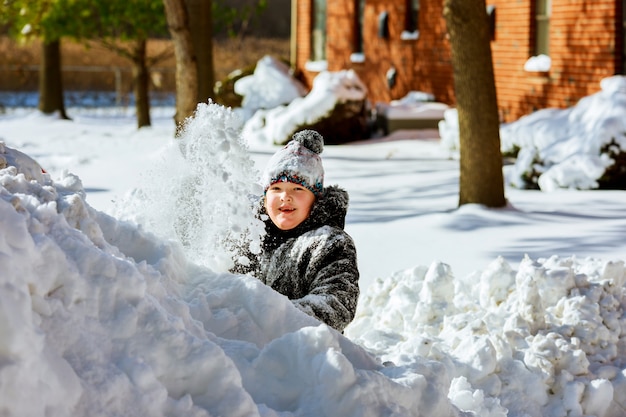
x=517, y=311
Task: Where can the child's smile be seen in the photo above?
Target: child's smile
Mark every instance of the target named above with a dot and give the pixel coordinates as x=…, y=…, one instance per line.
x=288, y=204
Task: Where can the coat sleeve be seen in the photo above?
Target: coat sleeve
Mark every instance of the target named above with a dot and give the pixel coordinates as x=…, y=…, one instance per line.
x=333, y=278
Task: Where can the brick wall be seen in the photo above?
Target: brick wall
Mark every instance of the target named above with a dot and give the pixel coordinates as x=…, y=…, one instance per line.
x=586, y=44
x=583, y=48
x=422, y=64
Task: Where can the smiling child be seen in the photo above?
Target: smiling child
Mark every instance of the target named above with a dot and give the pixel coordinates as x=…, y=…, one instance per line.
x=306, y=254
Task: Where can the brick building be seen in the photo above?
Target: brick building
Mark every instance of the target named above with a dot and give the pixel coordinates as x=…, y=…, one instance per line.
x=398, y=46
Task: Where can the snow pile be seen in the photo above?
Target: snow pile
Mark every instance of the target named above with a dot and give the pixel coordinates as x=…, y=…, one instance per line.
x=99, y=318
x=548, y=340
x=561, y=148
x=329, y=88
x=271, y=85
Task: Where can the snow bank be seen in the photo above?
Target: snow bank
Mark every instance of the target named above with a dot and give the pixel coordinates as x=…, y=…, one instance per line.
x=565, y=146
x=271, y=85
x=329, y=88
x=101, y=317
x=547, y=340
x=562, y=148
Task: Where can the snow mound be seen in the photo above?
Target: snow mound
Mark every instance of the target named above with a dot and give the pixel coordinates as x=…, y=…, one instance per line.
x=329, y=88
x=561, y=148
x=271, y=85
x=547, y=340
x=101, y=318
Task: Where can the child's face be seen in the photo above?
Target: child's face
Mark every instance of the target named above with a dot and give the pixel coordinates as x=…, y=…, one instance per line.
x=288, y=204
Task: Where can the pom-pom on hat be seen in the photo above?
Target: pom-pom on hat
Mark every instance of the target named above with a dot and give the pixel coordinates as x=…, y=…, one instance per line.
x=298, y=162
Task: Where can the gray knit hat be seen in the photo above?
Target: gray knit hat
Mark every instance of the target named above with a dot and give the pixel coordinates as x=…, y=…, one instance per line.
x=298, y=162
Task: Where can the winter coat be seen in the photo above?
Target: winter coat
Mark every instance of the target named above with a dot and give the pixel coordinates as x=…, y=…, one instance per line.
x=313, y=264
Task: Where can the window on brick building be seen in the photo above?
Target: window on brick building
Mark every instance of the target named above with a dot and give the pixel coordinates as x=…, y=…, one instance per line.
x=359, y=10
x=411, y=20
x=542, y=28
x=318, y=37
x=412, y=16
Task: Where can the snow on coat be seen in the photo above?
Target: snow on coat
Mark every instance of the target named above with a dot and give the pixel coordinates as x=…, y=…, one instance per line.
x=313, y=264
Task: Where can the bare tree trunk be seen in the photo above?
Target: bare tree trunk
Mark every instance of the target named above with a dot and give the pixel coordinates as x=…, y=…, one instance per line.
x=201, y=25
x=141, y=80
x=186, y=66
x=51, y=79
x=481, y=179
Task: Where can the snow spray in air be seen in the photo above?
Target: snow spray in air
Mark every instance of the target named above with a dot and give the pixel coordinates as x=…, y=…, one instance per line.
x=202, y=190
